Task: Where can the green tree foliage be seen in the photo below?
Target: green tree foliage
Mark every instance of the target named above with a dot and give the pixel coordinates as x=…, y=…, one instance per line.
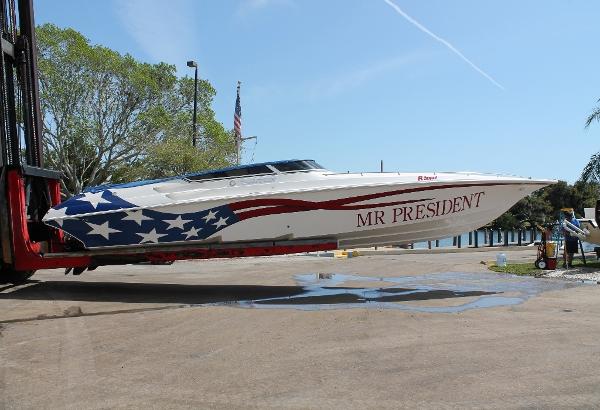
x=543, y=206
x=591, y=172
x=110, y=118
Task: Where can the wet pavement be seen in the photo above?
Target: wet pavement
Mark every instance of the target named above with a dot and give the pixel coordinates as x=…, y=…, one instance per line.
x=324, y=291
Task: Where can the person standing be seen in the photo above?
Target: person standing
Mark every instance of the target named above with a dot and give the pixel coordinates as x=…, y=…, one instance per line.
x=571, y=241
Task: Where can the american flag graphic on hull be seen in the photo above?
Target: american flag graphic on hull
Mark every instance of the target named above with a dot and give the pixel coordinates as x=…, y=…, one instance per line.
x=104, y=219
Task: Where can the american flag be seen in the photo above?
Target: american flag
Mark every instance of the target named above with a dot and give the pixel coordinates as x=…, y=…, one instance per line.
x=237, y=115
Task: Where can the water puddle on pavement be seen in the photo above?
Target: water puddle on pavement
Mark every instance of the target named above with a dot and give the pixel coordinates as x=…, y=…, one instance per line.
x=449, y=292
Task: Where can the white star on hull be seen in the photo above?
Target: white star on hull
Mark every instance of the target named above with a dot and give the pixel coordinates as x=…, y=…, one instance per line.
x=151, y=236
x=177, y=222
x=221, y=222
x=57, y=215
x=103, y=230
x=211, y=215
x=136, y=216
x=95, y=199
x=192, y=232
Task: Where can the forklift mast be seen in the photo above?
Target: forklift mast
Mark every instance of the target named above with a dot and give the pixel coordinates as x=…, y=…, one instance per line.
x=21, y=114
x=21, y=130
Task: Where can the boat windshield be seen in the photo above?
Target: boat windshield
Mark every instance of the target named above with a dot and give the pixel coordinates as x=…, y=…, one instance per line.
x=257, y=170
x=233, y=172
x=297, y=166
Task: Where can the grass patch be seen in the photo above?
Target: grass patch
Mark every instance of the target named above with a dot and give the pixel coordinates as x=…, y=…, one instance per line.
x=515, y=268
x=530, y=269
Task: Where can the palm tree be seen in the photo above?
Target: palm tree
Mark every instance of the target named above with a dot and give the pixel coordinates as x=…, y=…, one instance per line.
x=591, y=172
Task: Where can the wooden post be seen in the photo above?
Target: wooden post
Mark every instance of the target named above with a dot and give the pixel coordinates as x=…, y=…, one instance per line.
x=491, y=237
x=454, y=241
x=428, y=244
x=520, y=240
x=512, y=235
x=485, y=236
x=437, y=243
x=499, y=235
x=470, y=238
x=459, y=241
x=476, y=239
x=505, y=238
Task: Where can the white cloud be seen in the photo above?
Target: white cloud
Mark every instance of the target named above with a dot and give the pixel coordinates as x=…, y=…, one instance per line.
x=334, y=84
x=443, y=41
x=248, y=6
x=342, y=82
x=164, y=32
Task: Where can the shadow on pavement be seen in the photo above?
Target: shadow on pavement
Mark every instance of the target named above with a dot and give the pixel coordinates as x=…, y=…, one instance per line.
x=206, y=294
x=148, y=292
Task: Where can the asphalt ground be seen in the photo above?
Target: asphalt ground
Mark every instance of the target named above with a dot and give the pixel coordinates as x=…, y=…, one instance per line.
x=197, y=334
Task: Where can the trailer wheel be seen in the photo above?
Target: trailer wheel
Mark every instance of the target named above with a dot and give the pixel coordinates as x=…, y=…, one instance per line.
x=8, y=275
x=542, y=264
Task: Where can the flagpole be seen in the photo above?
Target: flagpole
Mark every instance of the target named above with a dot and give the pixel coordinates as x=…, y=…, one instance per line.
x=237, y=126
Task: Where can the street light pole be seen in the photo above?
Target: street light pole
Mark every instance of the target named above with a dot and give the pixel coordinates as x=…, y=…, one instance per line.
x=192, y=63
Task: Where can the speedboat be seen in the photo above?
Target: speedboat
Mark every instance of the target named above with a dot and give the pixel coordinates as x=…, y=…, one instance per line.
x=288, y=200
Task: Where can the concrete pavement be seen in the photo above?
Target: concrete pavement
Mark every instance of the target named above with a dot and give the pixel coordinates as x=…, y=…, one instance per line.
x=148, y=336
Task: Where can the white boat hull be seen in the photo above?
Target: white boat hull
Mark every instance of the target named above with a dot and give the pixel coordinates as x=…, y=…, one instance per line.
x=384, y=210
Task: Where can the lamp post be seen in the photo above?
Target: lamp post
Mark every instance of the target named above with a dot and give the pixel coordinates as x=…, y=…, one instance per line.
x=192, y=63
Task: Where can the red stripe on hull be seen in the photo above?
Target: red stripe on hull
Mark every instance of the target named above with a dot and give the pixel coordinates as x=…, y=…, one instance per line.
x=282, y=205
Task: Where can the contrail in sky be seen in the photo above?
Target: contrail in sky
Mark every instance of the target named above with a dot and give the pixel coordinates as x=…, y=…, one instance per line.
x=444, y=42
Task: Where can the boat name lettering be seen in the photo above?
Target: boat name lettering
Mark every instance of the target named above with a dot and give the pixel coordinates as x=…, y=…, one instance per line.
x=426, y=178
x=420, y=211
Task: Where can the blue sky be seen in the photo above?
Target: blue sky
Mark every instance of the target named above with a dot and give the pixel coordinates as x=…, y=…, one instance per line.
x=491, y=86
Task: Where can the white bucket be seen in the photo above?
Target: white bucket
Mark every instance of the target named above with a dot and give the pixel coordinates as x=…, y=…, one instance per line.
x=501, y=260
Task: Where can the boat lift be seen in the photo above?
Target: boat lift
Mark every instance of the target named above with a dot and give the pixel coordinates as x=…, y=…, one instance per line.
x=28, y=190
